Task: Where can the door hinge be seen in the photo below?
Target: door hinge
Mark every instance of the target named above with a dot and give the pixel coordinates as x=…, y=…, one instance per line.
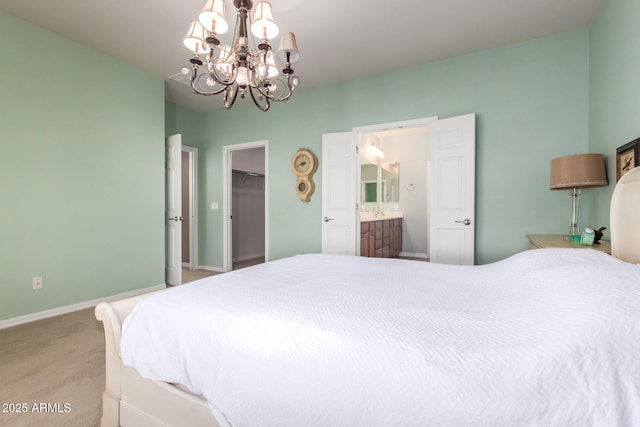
x=357, y=149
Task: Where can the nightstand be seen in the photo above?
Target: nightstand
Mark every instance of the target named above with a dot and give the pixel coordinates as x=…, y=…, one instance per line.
x=538, y=241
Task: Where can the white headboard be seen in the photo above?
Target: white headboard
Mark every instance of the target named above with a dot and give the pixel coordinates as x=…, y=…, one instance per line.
x=625, y=218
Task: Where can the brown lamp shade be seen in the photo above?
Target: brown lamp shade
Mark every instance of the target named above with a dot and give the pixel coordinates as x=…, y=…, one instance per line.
x=578, y=171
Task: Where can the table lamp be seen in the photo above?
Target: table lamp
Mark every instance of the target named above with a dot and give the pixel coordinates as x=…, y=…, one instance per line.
x=575, y=173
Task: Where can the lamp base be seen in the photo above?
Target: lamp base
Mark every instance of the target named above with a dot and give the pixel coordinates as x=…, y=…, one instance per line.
x=574, y=230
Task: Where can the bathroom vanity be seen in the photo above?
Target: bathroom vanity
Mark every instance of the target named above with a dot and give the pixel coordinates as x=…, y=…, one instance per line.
x=380, y=235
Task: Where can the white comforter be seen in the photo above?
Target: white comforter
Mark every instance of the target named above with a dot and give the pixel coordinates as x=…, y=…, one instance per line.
x=548, y=337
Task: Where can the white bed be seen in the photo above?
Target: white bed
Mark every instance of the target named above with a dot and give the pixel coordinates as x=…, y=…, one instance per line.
x=546, y=337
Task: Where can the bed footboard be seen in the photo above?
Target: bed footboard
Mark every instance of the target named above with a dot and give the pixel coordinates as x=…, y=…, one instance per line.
x=130, y=400
x=112, y=315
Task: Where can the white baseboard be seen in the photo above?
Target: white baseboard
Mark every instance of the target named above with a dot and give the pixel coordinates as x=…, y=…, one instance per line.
x=216, y=269
x=414, y=255
x=246, y=257
x=15, y=321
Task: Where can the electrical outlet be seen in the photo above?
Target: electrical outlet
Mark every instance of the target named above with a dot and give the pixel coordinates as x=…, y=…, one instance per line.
x=36, y=283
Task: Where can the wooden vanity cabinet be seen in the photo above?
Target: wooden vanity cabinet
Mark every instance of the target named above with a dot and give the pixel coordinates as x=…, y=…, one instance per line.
x=381, y=238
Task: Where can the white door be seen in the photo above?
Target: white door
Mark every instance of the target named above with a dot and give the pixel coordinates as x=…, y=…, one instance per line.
x=173, y=210
x=452, y=194
x=339, y=184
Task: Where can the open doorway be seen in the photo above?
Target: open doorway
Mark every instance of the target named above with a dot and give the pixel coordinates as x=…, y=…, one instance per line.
x=394, y=183
x=450, y=194
x=189, y=208
x=246, y=205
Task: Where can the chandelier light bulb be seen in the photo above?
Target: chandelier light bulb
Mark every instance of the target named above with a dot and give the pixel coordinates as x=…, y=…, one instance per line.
x=225, y=61
x=269, y=69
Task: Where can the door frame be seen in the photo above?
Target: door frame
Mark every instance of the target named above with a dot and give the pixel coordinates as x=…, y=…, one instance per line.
x=403, y=124
x=193, y=263
x=173, y=209
x=227, y=166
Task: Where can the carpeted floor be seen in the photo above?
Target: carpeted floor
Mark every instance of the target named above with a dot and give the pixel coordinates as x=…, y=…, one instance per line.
x=191, y=275
x=52, y=371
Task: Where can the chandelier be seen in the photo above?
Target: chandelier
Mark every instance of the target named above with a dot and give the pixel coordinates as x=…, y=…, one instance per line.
x=244, y=65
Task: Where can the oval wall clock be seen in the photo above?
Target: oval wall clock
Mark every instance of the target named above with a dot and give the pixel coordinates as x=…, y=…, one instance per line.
x=304, y=164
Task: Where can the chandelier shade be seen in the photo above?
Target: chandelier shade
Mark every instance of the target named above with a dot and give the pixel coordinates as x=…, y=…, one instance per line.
x=246, y=64
x=212, y=16
x=264, y=26
x=288, y=46
x=194, y=40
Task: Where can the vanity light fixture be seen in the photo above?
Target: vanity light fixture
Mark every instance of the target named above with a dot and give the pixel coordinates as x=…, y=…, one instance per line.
x=244, y=65
x=375, y=151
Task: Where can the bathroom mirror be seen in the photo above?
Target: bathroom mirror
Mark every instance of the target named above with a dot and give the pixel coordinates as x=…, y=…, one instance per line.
x=369, y=180
x=380, y=183
x=390, y=178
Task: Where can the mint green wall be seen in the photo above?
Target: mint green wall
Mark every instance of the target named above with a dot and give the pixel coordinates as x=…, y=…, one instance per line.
x=614, y=85
x=81, y=172
x=531, y=101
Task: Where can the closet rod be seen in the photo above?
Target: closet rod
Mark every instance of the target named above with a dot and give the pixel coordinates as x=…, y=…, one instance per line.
x=249, y=173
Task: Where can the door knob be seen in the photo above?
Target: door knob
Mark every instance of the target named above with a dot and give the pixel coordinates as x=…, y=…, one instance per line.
x=175, y=218
x=327, y=219
x=466, y=221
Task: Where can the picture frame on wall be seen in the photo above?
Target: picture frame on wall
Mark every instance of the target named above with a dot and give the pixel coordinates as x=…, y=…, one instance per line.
x=627, y=158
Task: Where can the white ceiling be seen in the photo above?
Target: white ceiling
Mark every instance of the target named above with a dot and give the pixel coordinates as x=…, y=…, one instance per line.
x=338, y=40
